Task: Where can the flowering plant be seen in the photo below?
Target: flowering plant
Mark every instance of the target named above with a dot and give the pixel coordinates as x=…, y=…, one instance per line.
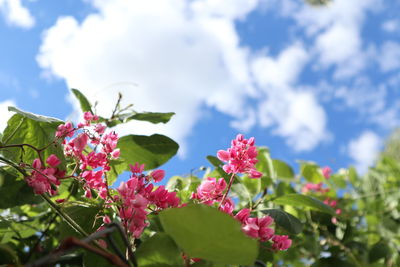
x=69, y=210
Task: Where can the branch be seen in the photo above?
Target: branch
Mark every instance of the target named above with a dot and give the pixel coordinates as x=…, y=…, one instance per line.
x=72, y=242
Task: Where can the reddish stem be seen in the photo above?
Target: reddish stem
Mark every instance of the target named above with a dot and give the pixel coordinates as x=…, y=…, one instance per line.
x=227, y=190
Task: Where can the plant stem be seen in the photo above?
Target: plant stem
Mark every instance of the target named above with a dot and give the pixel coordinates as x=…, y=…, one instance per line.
x=53, y=205
x=227, y=190
x=64, y=215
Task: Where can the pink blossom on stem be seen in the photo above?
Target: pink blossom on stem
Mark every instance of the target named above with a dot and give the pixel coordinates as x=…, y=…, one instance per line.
x=240, y=157
x=64, y=130
x=210, y=190
x=45, y=179
x=53, y=161
x=326, y=172
x=228, y=206
x=281, y=242
x=157, y=175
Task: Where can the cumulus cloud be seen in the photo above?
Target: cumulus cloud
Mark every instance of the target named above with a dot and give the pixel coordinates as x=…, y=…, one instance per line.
x=16, y=14
x=364, y=150
x=163, y=56
x=389, y=57
x=294, y=112
x=5, y=114
x=336, y=33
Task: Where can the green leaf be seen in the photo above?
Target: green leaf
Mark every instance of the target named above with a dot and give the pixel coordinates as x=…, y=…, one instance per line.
x=378, y=251
x=8, y=256
x=15, y=192
x=311, y=172
x=83, y=216
x=207, y=233
x=159, y=251
x=265, y=166
x=285, y=220
x=298, y=200
x=282, y=169
x=153, y=117
x=35, y=117
x=38, y=132
x=215, y=161
x=83, y=101
x=153, y=151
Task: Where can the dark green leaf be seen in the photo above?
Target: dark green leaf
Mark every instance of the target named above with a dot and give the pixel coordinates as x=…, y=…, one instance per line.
x=12, y=186
x=298, y=200
x=159, y=251
x=331, y=262
x=83, y=216
x=285, y=220
x=378, y=251
x=83, y=101
x=8, y=256
x=215, y=161
x=207, y=233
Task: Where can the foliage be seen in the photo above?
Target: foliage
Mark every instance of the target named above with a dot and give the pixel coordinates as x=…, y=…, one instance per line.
x=248, y=208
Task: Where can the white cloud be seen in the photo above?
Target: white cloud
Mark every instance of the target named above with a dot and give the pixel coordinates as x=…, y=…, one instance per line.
x=391, y=25
x=364, y=150
x=294, y=112
x=336, y=32
x=186, y=58
x=16, y=14
x=389, y=57
x=5, y=114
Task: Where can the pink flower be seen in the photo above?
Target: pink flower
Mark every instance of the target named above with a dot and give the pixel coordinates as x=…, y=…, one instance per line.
x=228, y=206
x=281, y=242
x=243, y=215
x=44, y=179
x=240, y=157
x=80, y=142
x=136, y=168
x=53, y=161
x=210, y=190
x=64, y=130
x=326, y=172
x=116, y=153
x=157, y=175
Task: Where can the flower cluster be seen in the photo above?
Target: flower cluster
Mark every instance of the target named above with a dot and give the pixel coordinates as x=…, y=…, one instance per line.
x=319, y=188
x=137, y=196
x=240, y=157
x=95, y=164
x=210, y=191
x=45, y=179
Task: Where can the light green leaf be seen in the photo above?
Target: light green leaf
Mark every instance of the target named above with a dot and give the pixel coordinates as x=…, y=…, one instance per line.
x=282, y=169
x=35, y=117
x=153, y=117
x=37, y=132
x=159, y=251
x=83, y=101
x=207, y=233
x=311, y=172
x=153, y=151
x=298, y=200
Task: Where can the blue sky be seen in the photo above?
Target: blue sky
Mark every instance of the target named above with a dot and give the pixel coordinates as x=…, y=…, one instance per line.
x=318, y=84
